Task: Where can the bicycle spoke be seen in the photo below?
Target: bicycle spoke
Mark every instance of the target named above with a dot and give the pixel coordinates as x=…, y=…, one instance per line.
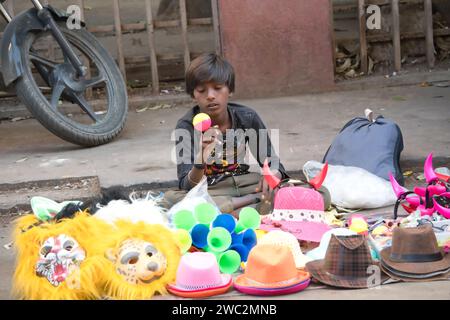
x=56, y=95
x=85, y=106
x=42, y=71
x=94, y=81
x=42, y=61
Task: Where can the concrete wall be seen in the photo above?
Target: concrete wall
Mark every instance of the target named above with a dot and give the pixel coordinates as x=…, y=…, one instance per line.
x=278, y=47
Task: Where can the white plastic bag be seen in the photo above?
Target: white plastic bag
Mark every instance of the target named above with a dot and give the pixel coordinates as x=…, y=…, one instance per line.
x=197, y=195
x=352, y=187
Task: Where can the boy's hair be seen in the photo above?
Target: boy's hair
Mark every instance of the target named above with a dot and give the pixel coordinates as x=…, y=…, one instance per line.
x=209, y=67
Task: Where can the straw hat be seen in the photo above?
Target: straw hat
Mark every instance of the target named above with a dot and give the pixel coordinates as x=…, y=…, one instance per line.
x=282, y=238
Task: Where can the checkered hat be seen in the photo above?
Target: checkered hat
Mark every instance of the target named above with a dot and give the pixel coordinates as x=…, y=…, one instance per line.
x=346, y=263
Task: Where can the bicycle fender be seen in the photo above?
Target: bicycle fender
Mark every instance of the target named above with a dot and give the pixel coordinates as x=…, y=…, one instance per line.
x=13, y=38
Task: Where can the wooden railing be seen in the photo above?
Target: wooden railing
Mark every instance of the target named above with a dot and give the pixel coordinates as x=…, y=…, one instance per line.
x=118, y=29
x=364, y=39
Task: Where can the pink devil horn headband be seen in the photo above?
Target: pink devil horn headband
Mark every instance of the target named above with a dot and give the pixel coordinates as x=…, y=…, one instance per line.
x=429, y=173
x=317, y=181
x=271, y=179
x=398, y=189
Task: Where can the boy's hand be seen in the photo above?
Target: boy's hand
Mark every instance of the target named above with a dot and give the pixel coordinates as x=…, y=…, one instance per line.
x=209, y=142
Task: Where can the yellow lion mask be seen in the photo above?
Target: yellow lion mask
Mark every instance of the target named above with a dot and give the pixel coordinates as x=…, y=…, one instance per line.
x=59, y=261
x=87, y=258
x=143, y=259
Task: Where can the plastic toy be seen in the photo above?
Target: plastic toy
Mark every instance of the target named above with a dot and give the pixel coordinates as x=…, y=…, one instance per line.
x=205, y=213
x=184, y=219
x=424, y=198
x=219, y=234
x=249, y=218
x=184, y=240
x=201, y=122
x=358, y=224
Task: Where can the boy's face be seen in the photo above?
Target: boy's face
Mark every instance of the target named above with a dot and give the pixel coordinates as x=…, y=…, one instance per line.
x=212, y=98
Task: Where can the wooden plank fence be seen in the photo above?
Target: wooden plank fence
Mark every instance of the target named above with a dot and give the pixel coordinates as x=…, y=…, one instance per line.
x=429, y=33
x=118, y=29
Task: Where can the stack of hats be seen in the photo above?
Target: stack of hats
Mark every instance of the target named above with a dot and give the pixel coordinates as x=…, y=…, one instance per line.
x=415, y=256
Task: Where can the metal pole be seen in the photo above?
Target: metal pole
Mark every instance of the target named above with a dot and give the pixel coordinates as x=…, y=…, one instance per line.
x=37, y=4
x=5, y=13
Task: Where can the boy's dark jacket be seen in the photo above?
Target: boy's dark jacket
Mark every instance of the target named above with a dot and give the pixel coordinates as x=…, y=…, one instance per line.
x=242, y=117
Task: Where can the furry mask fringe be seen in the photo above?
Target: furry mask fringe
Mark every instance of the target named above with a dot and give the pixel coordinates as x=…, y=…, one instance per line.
x=28, y=238
x=139, y=210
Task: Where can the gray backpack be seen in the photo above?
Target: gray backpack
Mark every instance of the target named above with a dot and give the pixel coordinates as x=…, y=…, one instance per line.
x=372, y=144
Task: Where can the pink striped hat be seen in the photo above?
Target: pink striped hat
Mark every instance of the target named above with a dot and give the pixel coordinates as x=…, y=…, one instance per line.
x=298, y=210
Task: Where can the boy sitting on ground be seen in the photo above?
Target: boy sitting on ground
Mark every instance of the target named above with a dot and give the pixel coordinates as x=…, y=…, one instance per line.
x=222, y=149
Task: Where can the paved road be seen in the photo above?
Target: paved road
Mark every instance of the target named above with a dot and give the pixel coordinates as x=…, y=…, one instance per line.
x=307, y=125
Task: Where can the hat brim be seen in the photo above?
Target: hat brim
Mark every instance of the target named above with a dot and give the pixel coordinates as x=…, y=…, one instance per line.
x=398, y=275
x=415, y=267
x=243, y=281
x=255, y=291
x=302, y=230
x=227, y=282
x=316, y=269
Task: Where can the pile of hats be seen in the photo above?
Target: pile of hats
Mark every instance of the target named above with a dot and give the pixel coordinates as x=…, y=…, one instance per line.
x=344, y=260
x=273, y=268
x=415, y=256
x=230, y=241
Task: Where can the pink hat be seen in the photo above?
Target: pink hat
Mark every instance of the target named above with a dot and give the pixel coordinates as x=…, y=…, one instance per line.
x=198, y=276
x=298, y=204
x=302, y=230
x=298, y=210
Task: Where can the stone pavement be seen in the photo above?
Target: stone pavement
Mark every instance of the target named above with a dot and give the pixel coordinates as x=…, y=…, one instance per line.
x=308, y=124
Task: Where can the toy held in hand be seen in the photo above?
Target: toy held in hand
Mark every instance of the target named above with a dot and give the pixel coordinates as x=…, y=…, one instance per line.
x=201, y=122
